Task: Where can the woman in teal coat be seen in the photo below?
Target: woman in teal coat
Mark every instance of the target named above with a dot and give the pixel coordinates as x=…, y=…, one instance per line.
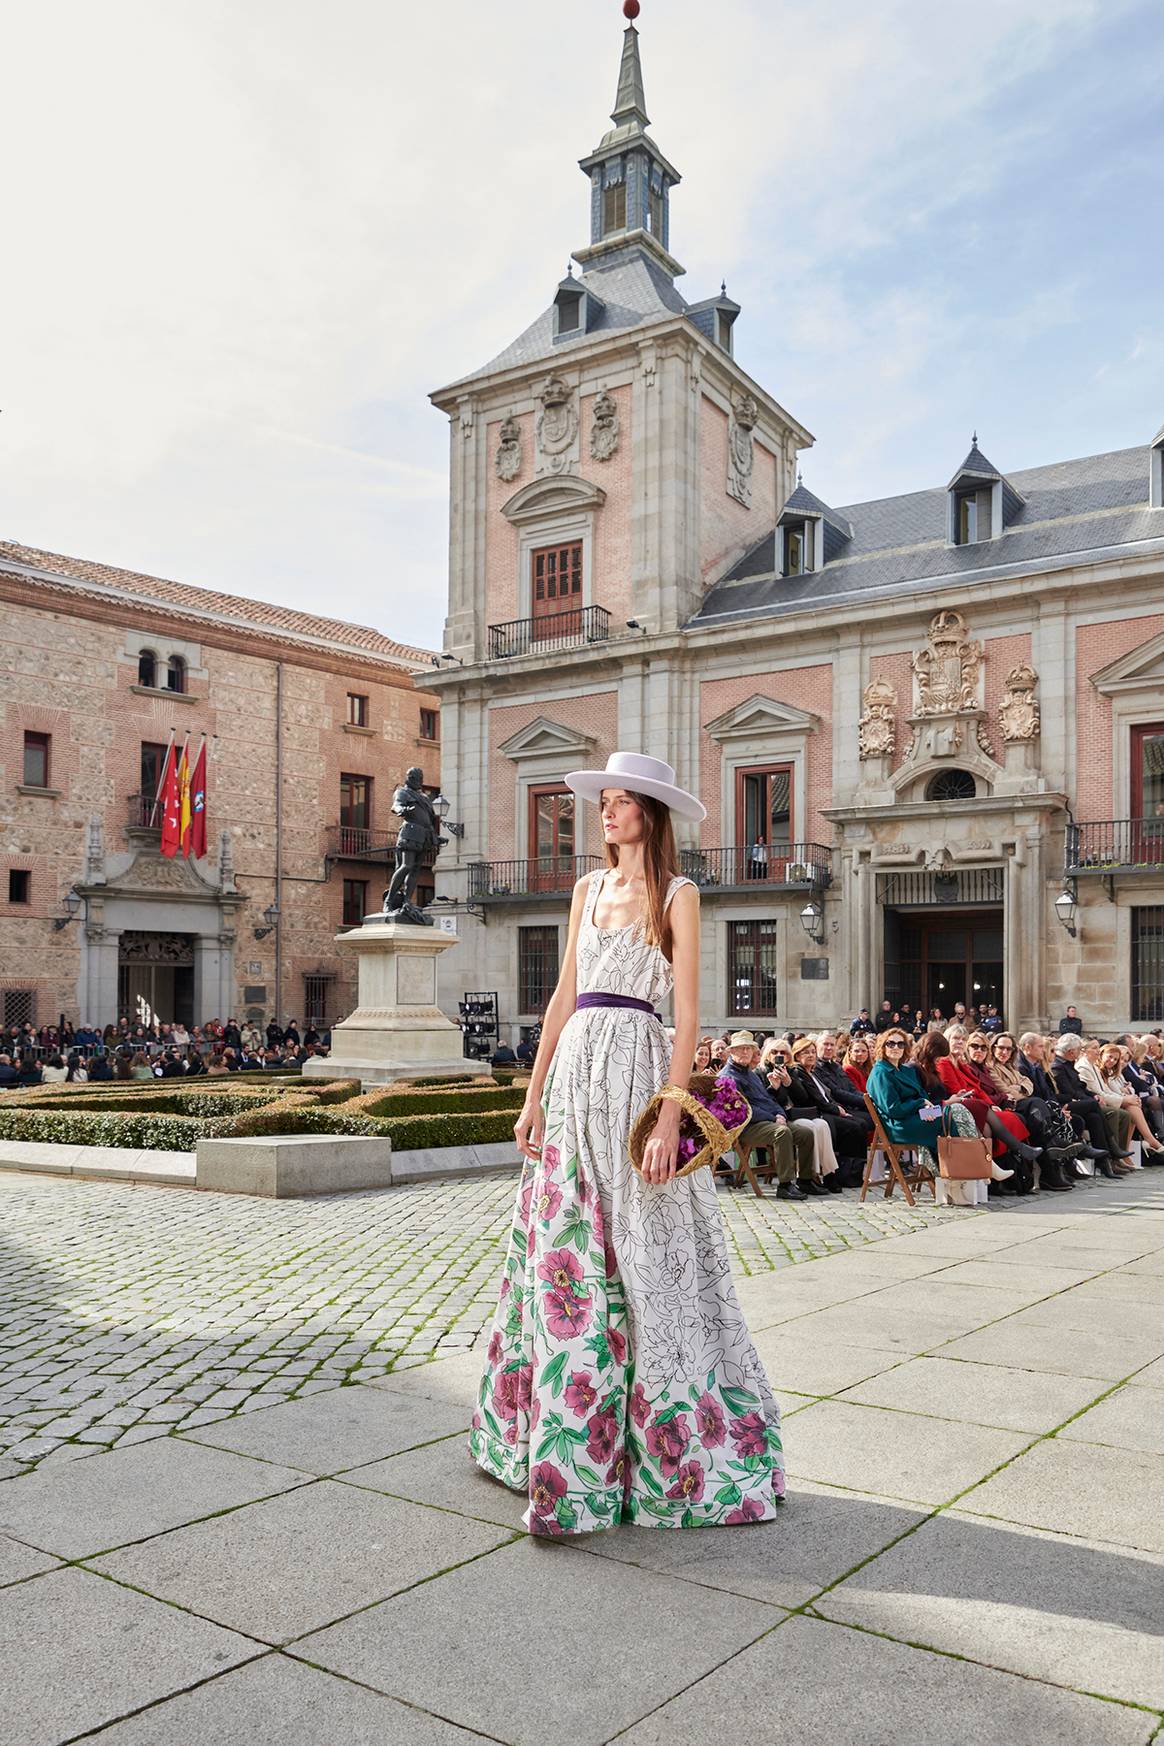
x=899, y=1096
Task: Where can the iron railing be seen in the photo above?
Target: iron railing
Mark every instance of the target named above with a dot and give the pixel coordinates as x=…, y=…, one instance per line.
x=548, y=876
x=1108, y=845
x=960, y=888
x=143, y=813
x=787, y=866
x=793, y=867
x=355, y=843
x=541, y=636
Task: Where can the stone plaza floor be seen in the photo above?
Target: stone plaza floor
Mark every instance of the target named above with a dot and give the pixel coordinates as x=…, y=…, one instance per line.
x=236, y=1502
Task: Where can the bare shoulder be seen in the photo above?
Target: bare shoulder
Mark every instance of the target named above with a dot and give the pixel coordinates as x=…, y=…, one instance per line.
x=684, y=904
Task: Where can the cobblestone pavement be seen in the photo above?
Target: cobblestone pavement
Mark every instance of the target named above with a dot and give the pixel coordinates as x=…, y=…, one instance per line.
x=130, y=1312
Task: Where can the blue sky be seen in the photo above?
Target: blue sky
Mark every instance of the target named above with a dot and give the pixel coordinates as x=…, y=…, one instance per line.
x=244, y=242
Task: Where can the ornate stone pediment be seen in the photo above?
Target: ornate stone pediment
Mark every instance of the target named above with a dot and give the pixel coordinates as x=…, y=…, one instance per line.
x=759, y=716
x=546, y=738
x=1018, y=714
x=148, y=874
x=604, y=430
x=556, y=428
x=1140, y=670
x=544, y=498
x=741, y=449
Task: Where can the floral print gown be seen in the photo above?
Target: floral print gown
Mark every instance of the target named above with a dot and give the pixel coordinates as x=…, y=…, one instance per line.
x=621, y=1382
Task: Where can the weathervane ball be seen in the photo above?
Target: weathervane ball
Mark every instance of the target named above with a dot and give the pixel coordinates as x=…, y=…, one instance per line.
x=630, y=9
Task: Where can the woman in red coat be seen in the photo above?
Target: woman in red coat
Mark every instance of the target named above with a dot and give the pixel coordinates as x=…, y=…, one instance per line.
x=858, y=1061
x=963, y=1069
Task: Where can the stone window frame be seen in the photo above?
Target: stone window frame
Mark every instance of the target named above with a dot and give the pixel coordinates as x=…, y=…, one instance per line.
x=1132, y=686
x=553, y=511
x=541, y=766
x=743, y=746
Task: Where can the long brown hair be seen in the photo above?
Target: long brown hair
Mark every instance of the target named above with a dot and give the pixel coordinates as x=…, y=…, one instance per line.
x=931, y=1049
x=660, y=866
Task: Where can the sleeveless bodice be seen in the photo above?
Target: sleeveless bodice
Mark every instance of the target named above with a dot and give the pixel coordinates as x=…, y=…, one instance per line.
x=620, y=960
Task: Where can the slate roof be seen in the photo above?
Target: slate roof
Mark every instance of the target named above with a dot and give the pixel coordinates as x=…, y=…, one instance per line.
x=1097, y=503
x=634, y=288
x=205, y=603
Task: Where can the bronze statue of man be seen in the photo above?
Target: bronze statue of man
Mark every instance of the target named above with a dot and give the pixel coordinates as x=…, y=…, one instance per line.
x=416, y=847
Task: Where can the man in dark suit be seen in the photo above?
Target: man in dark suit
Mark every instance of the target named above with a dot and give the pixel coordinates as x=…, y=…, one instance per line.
x=829, y=1073
x=850, y=1133
x=790, y=1148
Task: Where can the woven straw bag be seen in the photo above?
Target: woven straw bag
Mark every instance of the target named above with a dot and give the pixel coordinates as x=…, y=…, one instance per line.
x=716, y=1138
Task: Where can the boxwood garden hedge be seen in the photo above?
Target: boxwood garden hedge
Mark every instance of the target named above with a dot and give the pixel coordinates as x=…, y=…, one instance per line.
x=167, y=1116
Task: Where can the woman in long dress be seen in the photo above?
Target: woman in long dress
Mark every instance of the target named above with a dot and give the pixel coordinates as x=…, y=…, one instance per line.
x=621, y=1382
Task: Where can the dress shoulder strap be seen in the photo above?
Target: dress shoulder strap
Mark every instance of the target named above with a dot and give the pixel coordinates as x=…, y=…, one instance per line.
x=680, y=879
x=592, y=894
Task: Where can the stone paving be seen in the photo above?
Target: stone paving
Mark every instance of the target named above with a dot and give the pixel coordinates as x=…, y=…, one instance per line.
x=129, y=1312
x=971, y=1554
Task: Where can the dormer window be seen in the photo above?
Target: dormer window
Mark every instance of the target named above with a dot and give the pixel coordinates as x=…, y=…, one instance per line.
x=570, y=312
x=971, y=517
x=798, y=548
x=614, y=208
x=723, y=330
x=1156, y=476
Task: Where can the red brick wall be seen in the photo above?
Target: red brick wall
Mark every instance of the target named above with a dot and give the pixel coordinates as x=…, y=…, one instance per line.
x=596, y=714
x=1002, y=654
x=807, y=688
x=1096, y=646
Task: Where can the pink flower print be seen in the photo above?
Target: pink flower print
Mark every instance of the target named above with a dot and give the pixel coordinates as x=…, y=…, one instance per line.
x=688, y=1483
x=566, y=1315
x=535, y=1413
x=602, y=1438
x=749, y=1435
x=561, y=1268
x=525, y=1200
x=494, y=1352
x=504, y=1292
x=610, y=1259
x=523, y=1387
x=546, y=1486
x=778, y=1482
x=546, y=1526
x=548, y=1202
x=475, y=1422
x=666, y=1442
x=511, y=1433
x=640, y=1406
x=617, y=1471
x=709, y=1422
x=505, y=1395
x=551, y=1158
x=580, y=1393
x=582, y=1195
x=617, y=1344
x=751, y=1510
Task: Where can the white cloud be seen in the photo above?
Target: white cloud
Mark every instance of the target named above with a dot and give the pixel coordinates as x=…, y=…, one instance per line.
x=245, y=241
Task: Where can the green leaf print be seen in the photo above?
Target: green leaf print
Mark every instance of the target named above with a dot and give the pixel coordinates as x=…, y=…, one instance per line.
x=587, y=1475
x=567, y=1441
x=576, y=1230
x=728, y=1494
x=597, y=1343
x=597, y=1504
x=491, y=1424
x=650, y=1481
x=668, y=1413
x=551, y=1376
x=656, y=1509
x=739, y=1401
x=566, y=1513
x=688, y=1520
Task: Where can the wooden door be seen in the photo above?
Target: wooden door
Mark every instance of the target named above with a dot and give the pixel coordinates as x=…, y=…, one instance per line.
x=556, y=592
x=551, y=839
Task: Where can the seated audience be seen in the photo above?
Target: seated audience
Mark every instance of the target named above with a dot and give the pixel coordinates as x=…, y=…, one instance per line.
x=858, y=1060
x=909, y=1112
x=791, y=1150
x=1083, y=1105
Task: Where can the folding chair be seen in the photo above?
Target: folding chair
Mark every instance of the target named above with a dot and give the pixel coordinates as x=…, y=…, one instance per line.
x=915, y=1175
x=746, y=1171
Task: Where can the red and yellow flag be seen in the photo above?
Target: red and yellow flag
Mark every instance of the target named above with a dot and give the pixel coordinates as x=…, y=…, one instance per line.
x=184, y=813
x=171, y=824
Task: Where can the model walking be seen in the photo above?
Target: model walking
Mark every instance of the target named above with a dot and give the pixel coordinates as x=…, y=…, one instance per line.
x=621, y=1380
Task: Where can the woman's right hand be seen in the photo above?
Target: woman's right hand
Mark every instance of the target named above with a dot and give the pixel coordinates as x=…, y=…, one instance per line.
x=527, y=1131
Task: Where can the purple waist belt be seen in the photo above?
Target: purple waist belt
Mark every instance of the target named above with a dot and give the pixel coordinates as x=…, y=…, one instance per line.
x=625, y=1001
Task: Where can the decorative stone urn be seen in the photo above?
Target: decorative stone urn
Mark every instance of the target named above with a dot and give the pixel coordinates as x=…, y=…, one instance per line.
x=397, y=1028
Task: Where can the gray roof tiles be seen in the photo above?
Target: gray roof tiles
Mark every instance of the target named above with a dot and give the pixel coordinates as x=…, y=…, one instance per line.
x=1092, y=504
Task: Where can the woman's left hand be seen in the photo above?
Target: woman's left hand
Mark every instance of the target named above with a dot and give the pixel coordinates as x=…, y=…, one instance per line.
x=661, y=1153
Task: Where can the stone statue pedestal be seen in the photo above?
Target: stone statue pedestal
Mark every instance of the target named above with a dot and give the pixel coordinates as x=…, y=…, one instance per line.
x=397, y=1028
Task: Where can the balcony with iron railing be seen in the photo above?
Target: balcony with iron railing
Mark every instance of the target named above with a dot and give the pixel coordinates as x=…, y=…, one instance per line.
x=1120, y=845
x=545, y=636
x=791, y=867
x=356, y=843
x=143, y=815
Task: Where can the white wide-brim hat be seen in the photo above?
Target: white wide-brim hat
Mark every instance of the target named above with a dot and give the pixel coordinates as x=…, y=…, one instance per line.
x=638, y=774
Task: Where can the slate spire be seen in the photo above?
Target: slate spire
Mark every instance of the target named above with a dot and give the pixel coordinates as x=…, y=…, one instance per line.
x=630, y=103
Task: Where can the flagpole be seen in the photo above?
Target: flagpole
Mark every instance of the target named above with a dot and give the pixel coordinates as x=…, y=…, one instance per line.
x=184, y=847
x=162, y=776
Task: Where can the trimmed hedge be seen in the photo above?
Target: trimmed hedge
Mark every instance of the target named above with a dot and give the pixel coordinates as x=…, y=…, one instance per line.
x=174, y=1121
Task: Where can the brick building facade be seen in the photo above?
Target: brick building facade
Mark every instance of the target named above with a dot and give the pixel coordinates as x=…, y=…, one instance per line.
x=309, y=724
x=919, y=724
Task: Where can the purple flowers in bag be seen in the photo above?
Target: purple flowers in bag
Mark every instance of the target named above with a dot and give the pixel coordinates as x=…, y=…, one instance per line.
x=728, y=1107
